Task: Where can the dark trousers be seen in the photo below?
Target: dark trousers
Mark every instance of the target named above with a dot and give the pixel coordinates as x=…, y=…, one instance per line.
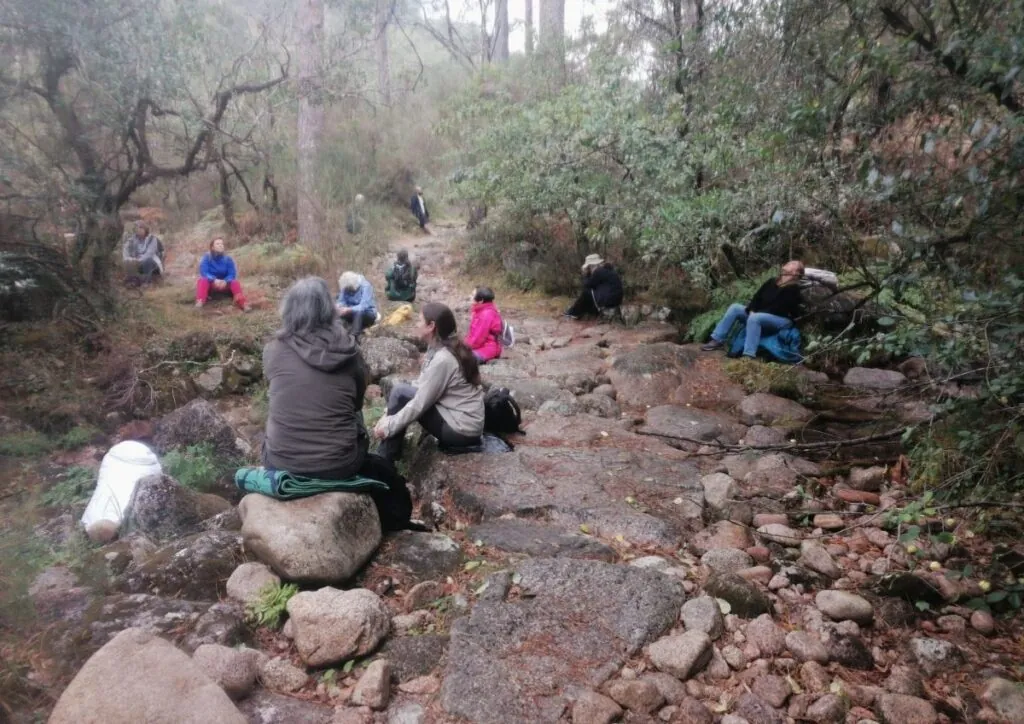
x=431, y=420
x=358, y=322
x=585, y=305
x=145, y=270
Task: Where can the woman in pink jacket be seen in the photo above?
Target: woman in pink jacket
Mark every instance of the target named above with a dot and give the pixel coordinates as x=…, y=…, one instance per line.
x=485, y=326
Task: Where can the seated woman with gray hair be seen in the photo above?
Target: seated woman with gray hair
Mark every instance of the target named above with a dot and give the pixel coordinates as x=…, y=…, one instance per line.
x=356, y=305
x=318, y=380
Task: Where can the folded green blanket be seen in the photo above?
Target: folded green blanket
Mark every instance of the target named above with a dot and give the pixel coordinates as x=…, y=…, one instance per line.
x=285, y=486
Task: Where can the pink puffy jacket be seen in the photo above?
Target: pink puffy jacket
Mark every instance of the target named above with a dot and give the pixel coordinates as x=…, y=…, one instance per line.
x=484, y=331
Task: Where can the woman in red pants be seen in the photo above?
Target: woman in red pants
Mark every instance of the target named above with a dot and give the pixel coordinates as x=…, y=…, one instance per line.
x=217, y=274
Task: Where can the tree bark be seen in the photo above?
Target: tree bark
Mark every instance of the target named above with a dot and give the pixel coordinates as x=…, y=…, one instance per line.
x=310, y=120
x=383, y=17
x=528, y=23
x=500, y=54
x=552, y=31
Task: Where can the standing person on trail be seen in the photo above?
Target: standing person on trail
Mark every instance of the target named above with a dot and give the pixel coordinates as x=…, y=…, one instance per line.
x=418, y=206
x=317, y=382
x=401, y=279
x=485, y=326
x=354, y=222
x=773, y=308
x=218, y=275
x=447, y=399
x=356, y=305
x=602, y=289
x=143, y=253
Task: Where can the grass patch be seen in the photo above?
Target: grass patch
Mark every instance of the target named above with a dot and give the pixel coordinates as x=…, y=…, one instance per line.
x=73, y=486
x=25, y=445
x=770, y=377
x=276, y=259
x=197, y=467
x=270, y=608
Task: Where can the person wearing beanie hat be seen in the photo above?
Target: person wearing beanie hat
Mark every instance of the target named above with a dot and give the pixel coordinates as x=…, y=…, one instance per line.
x=602, y=289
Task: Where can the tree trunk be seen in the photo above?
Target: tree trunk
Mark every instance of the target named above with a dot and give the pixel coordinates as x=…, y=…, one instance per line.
x=383, y=58
x=500, y=54
x=311, y=120
x=227, y=202
x=528, y=23
x=552, y=31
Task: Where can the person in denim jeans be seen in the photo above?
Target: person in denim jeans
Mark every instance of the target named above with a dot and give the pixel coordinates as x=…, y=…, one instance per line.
x=774, y=307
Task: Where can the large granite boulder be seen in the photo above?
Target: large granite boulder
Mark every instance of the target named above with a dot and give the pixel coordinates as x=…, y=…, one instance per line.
x=573, y=624
x=195, y=423
x=195, y=567
x=139, y=677
x=387, y=356
x=164, y=509
x=332, y=625
x=325, y=538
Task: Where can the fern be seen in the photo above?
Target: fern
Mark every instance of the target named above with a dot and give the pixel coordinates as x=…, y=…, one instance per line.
x=269, y=609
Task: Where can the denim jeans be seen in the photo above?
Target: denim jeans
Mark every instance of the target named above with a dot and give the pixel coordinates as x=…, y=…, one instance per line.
x=755, y=322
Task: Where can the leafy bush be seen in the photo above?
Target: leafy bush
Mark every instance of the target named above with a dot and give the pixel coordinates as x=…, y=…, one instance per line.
x=74, y=485
x=197, y=466
x=270, y=608
x=25, y=445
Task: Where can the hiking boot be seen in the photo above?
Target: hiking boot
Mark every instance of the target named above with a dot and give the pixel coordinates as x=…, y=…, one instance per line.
x=566, y=315
x=200, y=304
x=712, y=345
x=246, y=308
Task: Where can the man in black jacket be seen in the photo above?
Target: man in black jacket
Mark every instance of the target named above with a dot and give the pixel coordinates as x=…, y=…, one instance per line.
x=602, y=289
x=418, y=206
x=774, y=307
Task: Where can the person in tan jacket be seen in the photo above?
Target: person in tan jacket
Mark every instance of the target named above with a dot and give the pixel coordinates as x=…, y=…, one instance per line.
x=447, y=399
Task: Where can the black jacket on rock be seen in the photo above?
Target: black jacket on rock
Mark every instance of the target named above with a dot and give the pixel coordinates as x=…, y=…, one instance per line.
x=606, y=284
x=780, y=301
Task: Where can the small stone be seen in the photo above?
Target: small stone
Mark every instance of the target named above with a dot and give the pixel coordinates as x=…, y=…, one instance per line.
x=781, y=534
x=744, y=597
x=757, y=574
x=778, y=582
x=828, y=521
x=403, y=624
x=374, y=687
x=856, y=496
x=638, y=695
x=726, y=560
x=733, y=656
x=936, y=656
x=422, y=594
x=280, y=675
x=849, y=651
x=766, y=635
x=983, y=623
x=843, y=606
x=593, y=708
x=719, y=489
x=692, y=711
x=806, y=647
x=1006, y=697
x=670, y=687
x=773, y=689
x=234, y=670
x=653, y=563
x=719, y=667
x=905, y=680
x=703, y=614
x=903, y=709
x=421, y=685
x=869, y=479
x=814, y=556
x=952, y=624
x=755, y=709
x=829, y=708
x=759, y=554
x=763, y=519
x=683, y=655
x=814, y=677
x=351, y=715
x=249, y=580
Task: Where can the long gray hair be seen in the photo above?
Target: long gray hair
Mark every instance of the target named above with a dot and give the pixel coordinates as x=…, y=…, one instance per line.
x=307, y=306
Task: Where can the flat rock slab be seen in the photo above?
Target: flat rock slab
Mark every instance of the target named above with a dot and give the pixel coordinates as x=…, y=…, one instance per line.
x=612, y=492
x=572, y=625
x=413, y=656
x=538, y=540
x=266, y=707
x=587, y=432
x=647, y=375
x=682, y=424
x=427, y=556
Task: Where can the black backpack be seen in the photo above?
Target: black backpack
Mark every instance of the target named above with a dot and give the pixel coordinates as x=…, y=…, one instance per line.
x=402, y=276
x=501, y=412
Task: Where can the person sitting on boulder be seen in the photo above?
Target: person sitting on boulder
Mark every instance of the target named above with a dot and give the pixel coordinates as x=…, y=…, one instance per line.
x=318, y=380
x=773, y=308
x=447, y=399
x=218, y=275
x=143, y=254
x=356, y=305
x=602, y=289
x=401, y=279
x=485, y=326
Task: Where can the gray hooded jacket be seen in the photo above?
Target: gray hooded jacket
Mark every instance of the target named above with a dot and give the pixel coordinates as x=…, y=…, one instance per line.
x=317, y=384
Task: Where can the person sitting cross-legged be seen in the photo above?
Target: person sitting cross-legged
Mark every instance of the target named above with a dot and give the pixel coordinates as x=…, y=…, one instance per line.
x=142, y=254
x=356, y=305
x=401, y=279
x=485, y=326
x=447, y=399
x=218, y=275
x=773, y=308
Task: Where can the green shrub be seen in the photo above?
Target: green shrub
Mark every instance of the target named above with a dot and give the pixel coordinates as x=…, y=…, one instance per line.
x=74, y=485
x=25, y=445
x=77, y=437
x=197, y=466
x=269, y=609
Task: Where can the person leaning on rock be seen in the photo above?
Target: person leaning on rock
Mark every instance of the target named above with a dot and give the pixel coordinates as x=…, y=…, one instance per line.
x=602, y=289
x=773, y=308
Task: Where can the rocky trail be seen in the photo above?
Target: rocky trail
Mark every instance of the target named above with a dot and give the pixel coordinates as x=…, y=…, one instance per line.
x=661, y=545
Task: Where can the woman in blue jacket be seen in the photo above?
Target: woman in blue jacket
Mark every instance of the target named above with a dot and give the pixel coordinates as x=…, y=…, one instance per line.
x=217, y=274
x=356, y=305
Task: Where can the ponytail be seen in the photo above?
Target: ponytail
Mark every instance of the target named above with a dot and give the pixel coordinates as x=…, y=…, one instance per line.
x=444, y=329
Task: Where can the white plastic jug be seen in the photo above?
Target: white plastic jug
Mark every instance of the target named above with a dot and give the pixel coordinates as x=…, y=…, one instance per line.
x=123, y=466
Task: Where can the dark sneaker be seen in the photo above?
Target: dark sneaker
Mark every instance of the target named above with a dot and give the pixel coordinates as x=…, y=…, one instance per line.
x=712, y=346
